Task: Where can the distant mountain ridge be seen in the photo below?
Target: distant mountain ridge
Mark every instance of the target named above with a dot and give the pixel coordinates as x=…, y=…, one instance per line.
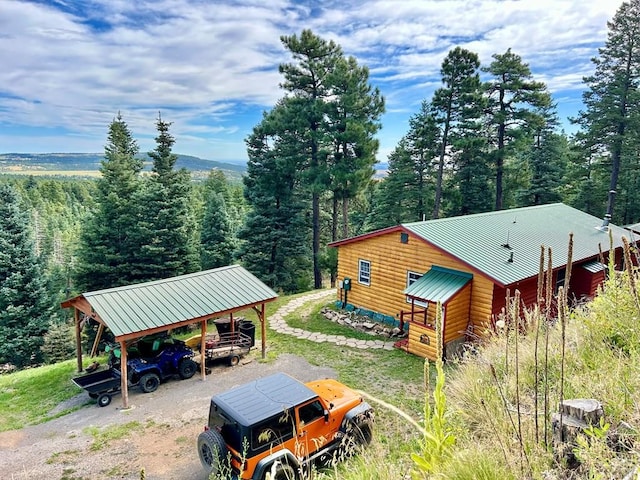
x=92, y=161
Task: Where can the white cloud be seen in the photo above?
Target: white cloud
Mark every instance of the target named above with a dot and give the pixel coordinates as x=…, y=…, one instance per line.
x=73, y=64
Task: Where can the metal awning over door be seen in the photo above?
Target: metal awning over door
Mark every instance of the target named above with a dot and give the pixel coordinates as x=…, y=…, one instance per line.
x=438, y=285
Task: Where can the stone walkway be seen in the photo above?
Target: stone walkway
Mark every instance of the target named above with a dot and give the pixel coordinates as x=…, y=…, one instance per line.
x=277, y=322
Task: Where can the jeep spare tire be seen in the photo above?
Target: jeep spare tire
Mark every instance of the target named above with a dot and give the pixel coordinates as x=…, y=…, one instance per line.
x=212, y=451
x=149, y=382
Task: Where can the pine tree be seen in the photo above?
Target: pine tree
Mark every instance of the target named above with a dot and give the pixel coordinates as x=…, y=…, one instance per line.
x=452, y=104
x=514, y=104
x=216, y=245
x=611, y=119
x=108, y=245
x=276, y=233
x=26, y=307
x=309, y=80
x=168, y=246
x=354, y=116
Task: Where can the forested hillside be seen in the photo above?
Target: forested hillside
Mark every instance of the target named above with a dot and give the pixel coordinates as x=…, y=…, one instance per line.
x=84, y=163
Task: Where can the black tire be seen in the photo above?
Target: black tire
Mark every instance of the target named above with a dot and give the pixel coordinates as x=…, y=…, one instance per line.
x=212, y=451
x=234, y=360
x=358, y=435
x=149, y=382
x=187, y=368
x=94, y=395
x=283, y=471
x=104, y=400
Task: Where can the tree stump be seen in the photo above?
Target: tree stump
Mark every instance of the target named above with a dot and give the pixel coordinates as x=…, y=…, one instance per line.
x=574, y=417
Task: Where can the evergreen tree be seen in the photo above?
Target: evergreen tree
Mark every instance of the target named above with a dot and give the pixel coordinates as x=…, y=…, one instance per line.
x=216, y=245
x=108, y=245
x=354, y=115
x=276, y=233
x=454, y=103
x=26, y=307
x=405, y=195
x=611, y=119
x=166, y=226
x=547, y=160
x=309, y=80
x=515, y=101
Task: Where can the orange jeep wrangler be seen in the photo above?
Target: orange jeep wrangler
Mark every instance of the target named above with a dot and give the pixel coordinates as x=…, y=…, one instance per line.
x=281, y=426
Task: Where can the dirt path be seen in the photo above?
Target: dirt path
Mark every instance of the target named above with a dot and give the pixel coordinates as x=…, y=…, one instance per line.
x=161, y=441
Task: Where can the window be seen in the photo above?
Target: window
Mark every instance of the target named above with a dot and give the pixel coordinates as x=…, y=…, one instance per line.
x=272, y=432
x=310, y=412
x=560, y=279
x=364, y=272
x=413, y=277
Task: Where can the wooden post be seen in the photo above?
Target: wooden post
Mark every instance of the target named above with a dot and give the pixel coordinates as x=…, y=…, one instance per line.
x=203, y=353
x=76, y=318
x=124, y=384
x=263, y=330
x=96, y=341
x=232, y=327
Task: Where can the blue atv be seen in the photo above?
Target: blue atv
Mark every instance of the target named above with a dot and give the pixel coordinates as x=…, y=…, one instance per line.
x=152, y=360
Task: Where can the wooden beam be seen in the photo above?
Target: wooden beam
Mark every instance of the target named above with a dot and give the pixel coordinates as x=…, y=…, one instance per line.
x=203, y=354
x=76, y=320
x=263, y=330
x=124, y=384
x=96, y=341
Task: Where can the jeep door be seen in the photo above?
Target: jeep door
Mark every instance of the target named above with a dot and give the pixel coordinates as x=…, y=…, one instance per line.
x=313, y=432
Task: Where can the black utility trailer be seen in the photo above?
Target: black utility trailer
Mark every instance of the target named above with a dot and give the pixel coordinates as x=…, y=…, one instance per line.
x=101, y=384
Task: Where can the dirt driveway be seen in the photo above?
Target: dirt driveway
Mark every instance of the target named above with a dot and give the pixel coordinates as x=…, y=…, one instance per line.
x=162, y=441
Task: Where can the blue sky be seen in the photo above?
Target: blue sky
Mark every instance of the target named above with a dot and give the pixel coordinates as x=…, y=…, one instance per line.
x=211, y=67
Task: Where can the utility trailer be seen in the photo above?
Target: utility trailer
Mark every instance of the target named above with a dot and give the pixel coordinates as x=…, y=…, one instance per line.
x=100, y=385
x=228, y=345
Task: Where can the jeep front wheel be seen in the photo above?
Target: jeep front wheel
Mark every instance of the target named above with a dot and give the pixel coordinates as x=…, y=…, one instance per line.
x=358, y=435
x=282, y=471
x=149, y=382
x=212, y=451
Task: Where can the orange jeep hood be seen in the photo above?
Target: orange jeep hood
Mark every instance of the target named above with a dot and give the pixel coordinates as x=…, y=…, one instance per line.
x=332, y=391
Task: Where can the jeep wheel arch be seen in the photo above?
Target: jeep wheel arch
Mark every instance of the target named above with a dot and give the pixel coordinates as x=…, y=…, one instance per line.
x=212, y=451
x=281, y=465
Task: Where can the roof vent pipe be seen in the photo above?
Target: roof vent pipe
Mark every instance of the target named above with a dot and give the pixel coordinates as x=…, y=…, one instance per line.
x=609, y=214
x=511, y=257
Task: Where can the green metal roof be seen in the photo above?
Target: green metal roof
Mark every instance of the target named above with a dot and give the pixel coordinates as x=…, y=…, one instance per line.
x=162, y=303
x=487, y=241
x=438, y=284
x=594, y=267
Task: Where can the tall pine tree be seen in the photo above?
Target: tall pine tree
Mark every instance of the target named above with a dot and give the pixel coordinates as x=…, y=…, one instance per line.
x=275, y=237
x=108, y=245
x=515, y=102
x=166, y=226
x=26, y=308
x=452, y=104
x=611, y=119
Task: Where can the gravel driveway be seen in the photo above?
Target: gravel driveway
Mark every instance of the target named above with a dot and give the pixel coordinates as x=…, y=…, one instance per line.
x=162, y=442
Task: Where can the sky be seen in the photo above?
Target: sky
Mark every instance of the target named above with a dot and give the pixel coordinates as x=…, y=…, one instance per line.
x=67, y=67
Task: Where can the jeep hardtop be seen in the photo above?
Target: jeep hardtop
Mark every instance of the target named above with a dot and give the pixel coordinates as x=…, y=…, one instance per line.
x=280, y=425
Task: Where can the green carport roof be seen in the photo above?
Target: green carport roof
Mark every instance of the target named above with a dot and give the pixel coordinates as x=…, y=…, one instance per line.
x=438, y=284
x=163, y=304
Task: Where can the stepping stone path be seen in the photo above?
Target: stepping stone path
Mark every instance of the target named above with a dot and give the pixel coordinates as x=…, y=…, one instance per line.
x=277, y=322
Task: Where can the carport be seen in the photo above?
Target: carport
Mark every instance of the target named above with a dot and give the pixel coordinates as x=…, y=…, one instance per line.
x=133, y=311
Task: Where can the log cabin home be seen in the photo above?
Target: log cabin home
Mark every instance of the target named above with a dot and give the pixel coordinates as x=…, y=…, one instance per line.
x=467, y=264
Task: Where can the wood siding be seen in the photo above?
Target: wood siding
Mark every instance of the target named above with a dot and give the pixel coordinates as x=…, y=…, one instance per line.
x=390, y=261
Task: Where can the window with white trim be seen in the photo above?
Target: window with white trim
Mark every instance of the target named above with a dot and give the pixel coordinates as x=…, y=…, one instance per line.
x=413, y=277
x=364, y=272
